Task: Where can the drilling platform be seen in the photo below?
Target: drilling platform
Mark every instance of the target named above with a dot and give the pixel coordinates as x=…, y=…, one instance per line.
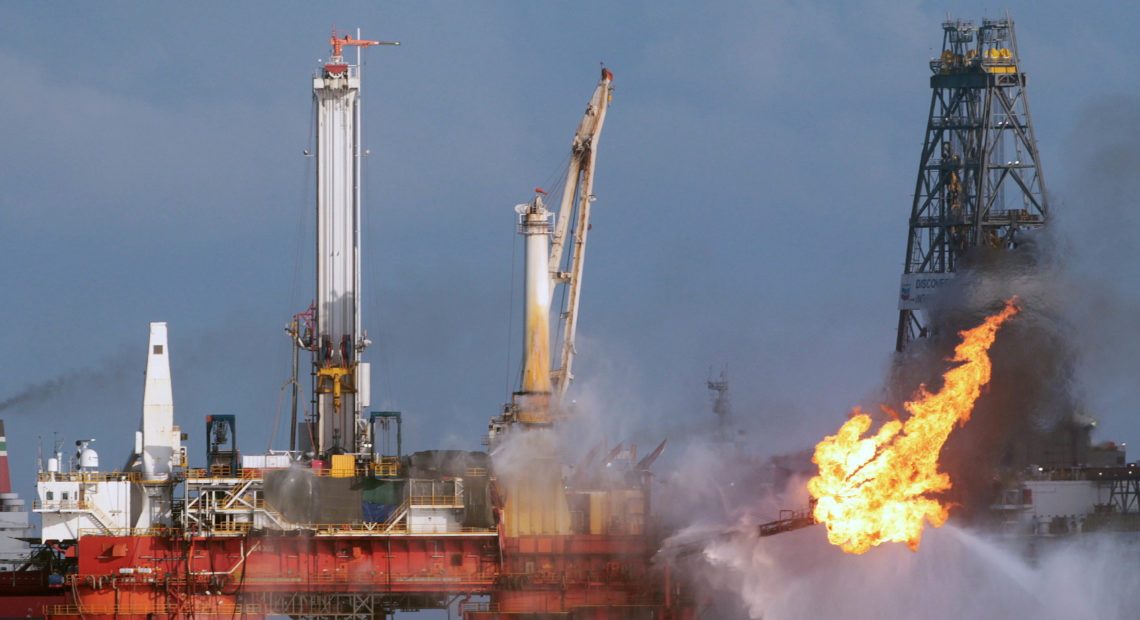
x=343, y=524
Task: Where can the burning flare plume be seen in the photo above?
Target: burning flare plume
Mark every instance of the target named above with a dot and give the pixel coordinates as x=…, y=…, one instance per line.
x=876, y=489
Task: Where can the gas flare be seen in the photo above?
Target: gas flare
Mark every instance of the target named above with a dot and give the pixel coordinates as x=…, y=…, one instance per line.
x=877, y=489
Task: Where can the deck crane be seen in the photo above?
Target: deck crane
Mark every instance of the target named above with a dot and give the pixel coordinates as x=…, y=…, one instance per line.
x=536, y=404
x=579, y=186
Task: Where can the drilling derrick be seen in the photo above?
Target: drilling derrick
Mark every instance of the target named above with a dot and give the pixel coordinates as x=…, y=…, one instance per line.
x=979, y=177
x=341, y=380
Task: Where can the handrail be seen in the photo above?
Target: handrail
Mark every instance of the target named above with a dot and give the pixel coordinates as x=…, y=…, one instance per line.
x=320, y=529
x=341, y=576
x=223, y=608
x=60, y=504
x=488, y=607
x=121, y=532
x=437, y=500
x=86, y=505
x=89, y=476
x=386, y=468
x=222, y=472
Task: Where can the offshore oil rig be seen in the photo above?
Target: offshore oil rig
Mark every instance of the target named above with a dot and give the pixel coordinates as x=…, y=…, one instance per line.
x=344, y=524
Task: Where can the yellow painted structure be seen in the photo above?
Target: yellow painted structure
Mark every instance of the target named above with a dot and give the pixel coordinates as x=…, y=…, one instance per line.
x=343, y=466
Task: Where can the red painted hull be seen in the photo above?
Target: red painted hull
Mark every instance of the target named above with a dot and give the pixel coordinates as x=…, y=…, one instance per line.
x=579, y=576
x=26, y=594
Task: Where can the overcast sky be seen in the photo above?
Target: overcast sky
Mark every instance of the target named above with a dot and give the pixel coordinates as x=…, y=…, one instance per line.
x=753, y=187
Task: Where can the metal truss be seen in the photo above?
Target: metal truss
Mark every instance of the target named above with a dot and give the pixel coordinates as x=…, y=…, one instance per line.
x=1124, y=495
x=979, y=176
x=344, y=605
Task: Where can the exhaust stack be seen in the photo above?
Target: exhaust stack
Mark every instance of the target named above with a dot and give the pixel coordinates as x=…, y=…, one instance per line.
x=158, y=409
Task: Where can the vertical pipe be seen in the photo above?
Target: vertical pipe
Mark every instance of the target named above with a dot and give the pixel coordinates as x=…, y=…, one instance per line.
x=357, y=206
x=296, y=386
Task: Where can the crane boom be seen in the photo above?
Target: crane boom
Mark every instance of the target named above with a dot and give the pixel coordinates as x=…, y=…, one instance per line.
x=579, y=184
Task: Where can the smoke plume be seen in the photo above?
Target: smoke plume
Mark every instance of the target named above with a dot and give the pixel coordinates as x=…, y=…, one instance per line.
x=112, y=371
x=1031, y=412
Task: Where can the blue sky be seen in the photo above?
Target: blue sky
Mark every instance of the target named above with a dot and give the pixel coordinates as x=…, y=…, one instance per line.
x=753, y=185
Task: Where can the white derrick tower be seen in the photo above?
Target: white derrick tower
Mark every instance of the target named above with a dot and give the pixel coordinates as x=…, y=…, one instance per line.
x=342, y=380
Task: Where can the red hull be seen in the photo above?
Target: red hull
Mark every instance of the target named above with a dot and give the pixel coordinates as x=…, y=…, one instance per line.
x=578, y=576
x=26, y=594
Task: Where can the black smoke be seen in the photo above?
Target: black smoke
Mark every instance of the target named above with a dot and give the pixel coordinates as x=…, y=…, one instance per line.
x=1031, y=412
x=111, y=371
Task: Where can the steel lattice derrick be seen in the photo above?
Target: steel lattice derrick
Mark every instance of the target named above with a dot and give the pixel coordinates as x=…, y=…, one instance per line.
x=979, y=176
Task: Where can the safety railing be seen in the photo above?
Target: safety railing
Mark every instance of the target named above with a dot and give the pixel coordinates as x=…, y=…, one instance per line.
x=487, y=607
x=486, y=577
x=320, y=529
x=371, y=469
x=89, y=476
x=76, y=505
x=437, y=500
x=232, y=527
x=386, y=467
x=223, y=472
x=397, y=528
x=125, y=531
x=60, y=504
x=239, y=506
x=222, y=608
x=369, y=577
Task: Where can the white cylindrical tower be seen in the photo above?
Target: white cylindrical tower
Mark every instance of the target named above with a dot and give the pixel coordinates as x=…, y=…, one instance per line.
x=534, y=225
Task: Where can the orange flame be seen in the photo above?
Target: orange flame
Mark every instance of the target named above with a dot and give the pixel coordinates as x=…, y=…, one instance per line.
x=872, y=490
